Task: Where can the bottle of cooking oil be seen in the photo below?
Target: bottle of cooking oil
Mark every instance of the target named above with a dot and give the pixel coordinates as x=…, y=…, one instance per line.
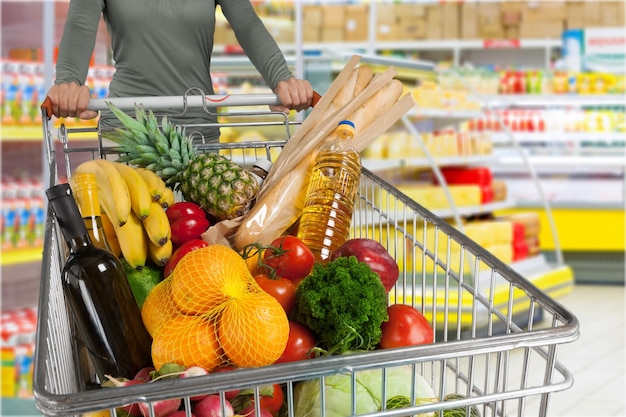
x=325, y=221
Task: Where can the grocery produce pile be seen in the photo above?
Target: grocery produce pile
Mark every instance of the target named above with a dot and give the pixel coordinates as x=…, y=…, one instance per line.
x=255, y=296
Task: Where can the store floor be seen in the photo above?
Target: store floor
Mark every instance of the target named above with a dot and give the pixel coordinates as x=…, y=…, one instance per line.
x=597, y=358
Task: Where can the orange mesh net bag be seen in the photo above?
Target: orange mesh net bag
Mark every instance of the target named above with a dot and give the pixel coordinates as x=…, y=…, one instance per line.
x=210, y=312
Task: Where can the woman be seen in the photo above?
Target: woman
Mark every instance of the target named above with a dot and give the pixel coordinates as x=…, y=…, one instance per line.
x=163, y=48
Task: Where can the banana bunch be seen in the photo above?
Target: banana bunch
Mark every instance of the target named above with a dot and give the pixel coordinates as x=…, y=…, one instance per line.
x=133, y=202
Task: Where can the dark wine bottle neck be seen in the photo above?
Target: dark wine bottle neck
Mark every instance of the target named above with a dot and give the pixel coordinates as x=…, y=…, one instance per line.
x=68, y=216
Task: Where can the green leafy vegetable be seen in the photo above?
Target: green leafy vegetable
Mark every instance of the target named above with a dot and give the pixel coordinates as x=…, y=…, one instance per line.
x=460, y=411
x=369, y=393
x=344, y=303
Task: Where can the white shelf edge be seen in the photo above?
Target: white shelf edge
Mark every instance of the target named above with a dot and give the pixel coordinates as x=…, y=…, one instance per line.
x=567, y=161
x=546, y=100
x=500, y=137
x=444, y=114
x=376, y=164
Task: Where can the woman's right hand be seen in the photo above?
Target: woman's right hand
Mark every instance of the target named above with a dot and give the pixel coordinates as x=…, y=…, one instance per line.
x=71, y=100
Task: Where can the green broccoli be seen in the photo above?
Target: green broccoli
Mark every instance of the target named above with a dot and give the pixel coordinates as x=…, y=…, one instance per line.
x=344, y=303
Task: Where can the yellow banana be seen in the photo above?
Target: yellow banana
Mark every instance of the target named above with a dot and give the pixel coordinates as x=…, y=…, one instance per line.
x=112, y=190
x=157, y=225
x=167, y=199
x=133, y=241
x=140, y=197
x=160, y=254
x=156, y=185
x=109, y=232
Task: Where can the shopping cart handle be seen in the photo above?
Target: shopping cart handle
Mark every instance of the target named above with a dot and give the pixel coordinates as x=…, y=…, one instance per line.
x=181, y=102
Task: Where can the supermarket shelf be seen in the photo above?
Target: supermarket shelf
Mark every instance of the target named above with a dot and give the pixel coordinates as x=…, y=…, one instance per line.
x=569, y=161
x=553, y=100
x=597, y=137
x=21, y=133
x=389, y=163
x=18, y=256
x=602, y=229
x=432, y=45
x=445, y=114
x=554, y=280
x=473, y=210
x=34, y=134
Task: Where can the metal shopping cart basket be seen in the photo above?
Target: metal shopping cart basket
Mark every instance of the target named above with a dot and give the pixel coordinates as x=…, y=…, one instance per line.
x=499, y=355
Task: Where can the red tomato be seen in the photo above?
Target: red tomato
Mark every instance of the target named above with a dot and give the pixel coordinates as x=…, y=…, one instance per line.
x=406, y=327
x=272, y=403
x=292, y=260
x=178, y=254
x=188, y=227
x=281, y=289
x=184, y=208
x=299, y=344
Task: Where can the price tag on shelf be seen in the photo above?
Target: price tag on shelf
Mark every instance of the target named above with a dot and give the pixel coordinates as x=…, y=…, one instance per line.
x=501, y=43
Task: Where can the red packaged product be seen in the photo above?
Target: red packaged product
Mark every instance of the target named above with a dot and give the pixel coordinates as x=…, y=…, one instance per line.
x=467, y=175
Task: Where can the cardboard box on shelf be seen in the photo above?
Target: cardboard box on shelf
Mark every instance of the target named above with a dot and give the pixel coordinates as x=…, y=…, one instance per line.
x=312, y=35
x=385, y=13
x=409, y=9
x=334, y=16
x=331, y=34
x=357, y=23
x=434, y=28
x=469, y=21
x=450, y=21
x=489, y=21
x=593, y=13
x=312, y=17
x=612, y=13
x=511, y=12
x=541, y=30
x=387, y=32
x=411, y=28
x=544, y=11
x=512, y=32
x=575, y=16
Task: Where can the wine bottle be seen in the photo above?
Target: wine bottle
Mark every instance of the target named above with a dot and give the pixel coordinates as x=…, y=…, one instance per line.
x=99, y=297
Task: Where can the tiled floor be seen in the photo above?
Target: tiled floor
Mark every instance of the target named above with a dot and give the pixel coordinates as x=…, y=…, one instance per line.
x=597, y=358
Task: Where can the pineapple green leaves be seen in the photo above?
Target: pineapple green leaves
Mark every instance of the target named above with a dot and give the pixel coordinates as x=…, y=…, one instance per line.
x=219, y=185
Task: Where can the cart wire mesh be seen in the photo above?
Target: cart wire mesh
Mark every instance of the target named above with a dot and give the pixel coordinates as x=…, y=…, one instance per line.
x=496, y=334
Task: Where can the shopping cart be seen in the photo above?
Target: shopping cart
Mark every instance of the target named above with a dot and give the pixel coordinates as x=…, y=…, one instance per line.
x=499, y=356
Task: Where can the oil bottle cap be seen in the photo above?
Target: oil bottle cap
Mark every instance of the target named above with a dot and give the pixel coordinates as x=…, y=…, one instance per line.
x=345, y=129
x=264, y=164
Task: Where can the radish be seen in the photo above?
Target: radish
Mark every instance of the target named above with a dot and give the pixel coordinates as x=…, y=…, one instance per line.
x=179, y=413
x=250, y=411
x=210, y=406
x=144, y=374
x=228, y=394
x=131, y=409
x=191, y=372
x=161, y=408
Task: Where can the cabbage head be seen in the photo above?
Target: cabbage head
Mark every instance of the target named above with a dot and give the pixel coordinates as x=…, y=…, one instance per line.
x=369, y=392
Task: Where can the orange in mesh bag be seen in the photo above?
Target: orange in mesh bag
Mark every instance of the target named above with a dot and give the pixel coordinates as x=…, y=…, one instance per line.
x=210, y=312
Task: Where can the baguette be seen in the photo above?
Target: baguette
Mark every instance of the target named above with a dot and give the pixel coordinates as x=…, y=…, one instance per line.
x=277, y=211
x=280, y=201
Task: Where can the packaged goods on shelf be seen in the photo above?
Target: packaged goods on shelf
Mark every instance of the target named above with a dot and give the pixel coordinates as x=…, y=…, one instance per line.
x=444, y=143
x=23, y=215
x=479, y=176
x=562, y=120
x=18, y=344
x=530, y=81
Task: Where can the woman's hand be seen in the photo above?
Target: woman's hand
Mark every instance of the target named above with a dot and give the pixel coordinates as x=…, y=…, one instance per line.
x=294, y=94
x=71, y=100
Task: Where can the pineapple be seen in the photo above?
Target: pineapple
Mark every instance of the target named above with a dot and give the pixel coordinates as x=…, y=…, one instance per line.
x=220, y=186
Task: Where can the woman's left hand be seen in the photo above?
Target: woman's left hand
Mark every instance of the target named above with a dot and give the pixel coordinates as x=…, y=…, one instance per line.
x=294, y=94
